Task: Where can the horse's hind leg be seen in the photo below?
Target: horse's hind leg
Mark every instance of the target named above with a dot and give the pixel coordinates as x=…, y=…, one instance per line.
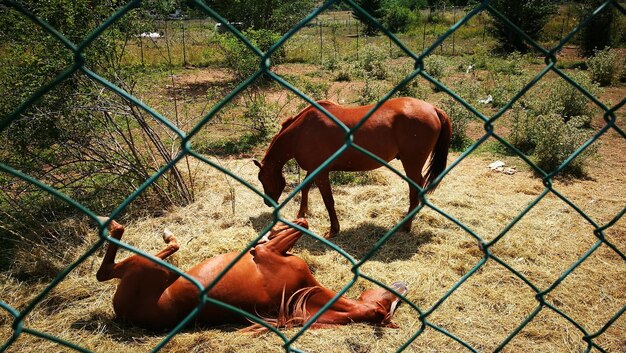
x=323, y=184
x=109, y=269
x=172, y=245
x=413, y=171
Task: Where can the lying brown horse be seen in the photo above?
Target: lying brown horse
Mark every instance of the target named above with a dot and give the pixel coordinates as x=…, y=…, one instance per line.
x=404, y=128
x=266, y=281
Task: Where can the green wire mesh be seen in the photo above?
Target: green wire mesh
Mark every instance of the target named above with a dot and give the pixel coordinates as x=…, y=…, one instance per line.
x=78, y=66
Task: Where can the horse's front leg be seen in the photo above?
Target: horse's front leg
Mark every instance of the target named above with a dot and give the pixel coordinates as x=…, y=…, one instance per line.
x=304, y=199
x=323, y=184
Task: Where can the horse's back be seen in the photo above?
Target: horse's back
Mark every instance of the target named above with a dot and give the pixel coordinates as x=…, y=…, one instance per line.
x=398, y=122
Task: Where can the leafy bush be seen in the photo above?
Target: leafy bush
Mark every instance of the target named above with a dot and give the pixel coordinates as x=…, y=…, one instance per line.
x=511, y=65
x=398, y=18
x=277, y=15
x=240, y=59
x=416, y=88
x=372, y=62
x=317, y=90
x=436, y=65
x=505, y=87
x=371, y=92
x=260, y=115
x=549, y=139
x=343, y=72
x=355, y=178
x=522, y=135
x=562, y=98
x=556, y=140
x=460, y=118
x=602, y=66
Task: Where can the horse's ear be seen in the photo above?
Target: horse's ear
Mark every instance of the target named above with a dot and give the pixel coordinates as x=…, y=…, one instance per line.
x=257, y=163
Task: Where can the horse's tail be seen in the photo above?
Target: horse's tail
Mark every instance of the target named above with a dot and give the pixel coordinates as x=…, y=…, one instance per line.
x=439, y=156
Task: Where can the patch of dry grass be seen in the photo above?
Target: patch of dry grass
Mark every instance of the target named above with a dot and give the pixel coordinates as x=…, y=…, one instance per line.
x=431, y=259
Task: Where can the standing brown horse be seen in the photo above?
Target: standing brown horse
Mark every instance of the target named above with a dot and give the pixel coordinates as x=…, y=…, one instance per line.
x=152, y=296
x=405, y=128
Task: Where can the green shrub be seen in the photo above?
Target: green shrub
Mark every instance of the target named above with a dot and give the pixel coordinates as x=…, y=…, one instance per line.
x=505, y=87
x=229, y=147
x=561, y=98
x=240, y=59
x=512, y=65
x=344, y=71
x=523, y=125
x=372, y=62
x=460, y=118
x=602, y=66
x=398, y=18
x=556, y=140
x=260, y=115
x=416, y=88
x=371, y=92
x=436, y=65
x=317, y=90
x=468, y=89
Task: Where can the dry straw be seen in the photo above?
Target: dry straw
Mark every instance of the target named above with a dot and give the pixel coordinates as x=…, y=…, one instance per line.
x=482, y=312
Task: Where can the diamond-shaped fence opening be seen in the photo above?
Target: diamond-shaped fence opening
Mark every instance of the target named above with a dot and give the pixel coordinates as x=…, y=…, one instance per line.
x=489, y=268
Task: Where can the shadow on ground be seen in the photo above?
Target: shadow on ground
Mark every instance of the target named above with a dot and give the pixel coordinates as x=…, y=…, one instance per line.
x=124, y=332
x=359, y=241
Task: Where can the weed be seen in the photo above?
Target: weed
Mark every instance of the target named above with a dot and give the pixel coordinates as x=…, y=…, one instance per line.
x=353, y=178
x=231, y=146
x=602, y=68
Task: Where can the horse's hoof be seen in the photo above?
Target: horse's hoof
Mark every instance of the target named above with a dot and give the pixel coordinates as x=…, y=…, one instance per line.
x=400, y=287
x=168, y=236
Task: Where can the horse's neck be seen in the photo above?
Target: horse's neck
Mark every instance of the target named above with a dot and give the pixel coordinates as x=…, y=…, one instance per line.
x=280, y=150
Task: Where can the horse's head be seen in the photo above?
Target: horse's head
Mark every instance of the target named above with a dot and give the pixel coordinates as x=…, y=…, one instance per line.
x=272, y=180
x=386, y=301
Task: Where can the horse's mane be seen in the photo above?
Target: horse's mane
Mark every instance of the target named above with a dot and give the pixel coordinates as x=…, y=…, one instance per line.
x=291, y=313
x=290, y=120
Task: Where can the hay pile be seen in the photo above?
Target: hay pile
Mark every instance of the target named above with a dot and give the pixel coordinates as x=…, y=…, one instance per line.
x=483, y=311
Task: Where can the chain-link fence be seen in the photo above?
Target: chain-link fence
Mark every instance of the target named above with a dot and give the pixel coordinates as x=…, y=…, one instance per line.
x=78, y=66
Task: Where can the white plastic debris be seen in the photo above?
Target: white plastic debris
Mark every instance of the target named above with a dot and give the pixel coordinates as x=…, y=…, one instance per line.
x=487, y=100
x=499, y=166
x=496, y=164
x=470, y=68
x=150, y=35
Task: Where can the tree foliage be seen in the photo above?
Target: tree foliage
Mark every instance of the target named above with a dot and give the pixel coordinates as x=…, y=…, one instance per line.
x=529, y=15
x=79, y=138
x=375, y=9
x=276, y=15
x=601, y=29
